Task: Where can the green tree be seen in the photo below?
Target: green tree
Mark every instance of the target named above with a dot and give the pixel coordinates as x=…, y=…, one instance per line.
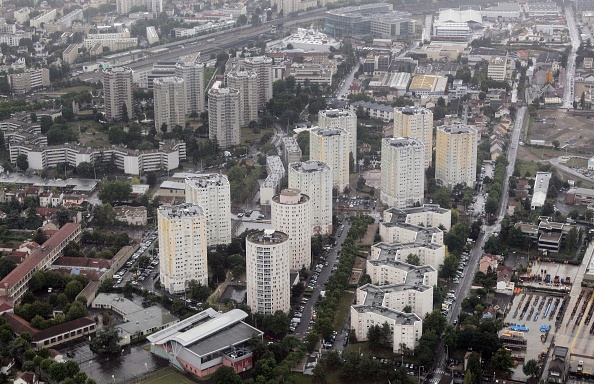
x=531, y=368
x=226, y=375
x=449, y=266
x=474, y=366
x=242, y=20
x=85, y=170
x=114, y=191
x=555, y=144
x=22, y=162
x=106, y=342
x=72, y=289
x=502, y=360
x=443, y=197
x=125, y=117
x=413, y=259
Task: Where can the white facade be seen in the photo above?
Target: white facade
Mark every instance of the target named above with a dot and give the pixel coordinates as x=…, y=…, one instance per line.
x=246, y=83
x=497, y=69
x=117, y=90
x=224, y=116
x=262, y=66
x=331, y=145
x=427, y=215
x=182, y=246
x=267, y=272
x=151, y=35
x=314, y=178
x=384, y=272
x=193, y=75
x=415, y=122
x=402, y=172
x=212, y=192
x=407, y=233
x=341, y=118
x=170, y=102
x=455, y=158
x=275, y=172
x=397, y=297
x=429, y=253
x=291, y=214
x=407, y=328
x=43, y=18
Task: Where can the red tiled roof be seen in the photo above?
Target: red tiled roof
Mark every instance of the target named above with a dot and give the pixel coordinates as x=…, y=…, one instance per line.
x=18, y=324
x=27, y=377
x=82, y=262
x=36, y=256
x=47, y=211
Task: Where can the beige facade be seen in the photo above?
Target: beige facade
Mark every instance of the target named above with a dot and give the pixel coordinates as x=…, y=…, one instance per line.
x=267, y=272
x=331, y=145
x=131, y=215
x=402, y=172
x=415, y=122
x=291, y=214
x=170, y=102
x=247, y=85
x=182, y=246
x=224, y=116
x=193, y=75
x=455, y=158
x=117, y=90
x=262, y=66
x=344, y=119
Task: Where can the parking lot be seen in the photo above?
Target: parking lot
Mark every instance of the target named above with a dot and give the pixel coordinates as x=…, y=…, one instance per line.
x=146, y=274
x=530, y=327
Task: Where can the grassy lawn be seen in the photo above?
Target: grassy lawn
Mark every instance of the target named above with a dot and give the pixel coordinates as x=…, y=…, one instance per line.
x=78, y=88
x=526, y=166
x=576, y=162
x=346, y=299
x=168, y=376
x=248, y=135
x=208, y=73
x=92, y=136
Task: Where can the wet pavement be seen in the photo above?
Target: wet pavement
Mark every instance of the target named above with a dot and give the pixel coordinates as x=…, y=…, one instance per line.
x=134, y=361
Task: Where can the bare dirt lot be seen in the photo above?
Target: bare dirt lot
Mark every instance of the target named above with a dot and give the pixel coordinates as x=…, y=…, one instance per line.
x=571, y=129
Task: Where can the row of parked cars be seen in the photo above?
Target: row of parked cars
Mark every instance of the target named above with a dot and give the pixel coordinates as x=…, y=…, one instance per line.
x=148, y=241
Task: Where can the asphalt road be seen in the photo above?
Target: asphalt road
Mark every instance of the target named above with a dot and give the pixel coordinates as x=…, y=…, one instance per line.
x=331, y=258
x=574, y=34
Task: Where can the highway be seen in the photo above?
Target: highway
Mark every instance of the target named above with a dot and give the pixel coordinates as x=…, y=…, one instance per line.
x=223, y=40
x=574, y=34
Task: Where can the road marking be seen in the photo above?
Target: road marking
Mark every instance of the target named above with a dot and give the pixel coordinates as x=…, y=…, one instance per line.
x=582, y=322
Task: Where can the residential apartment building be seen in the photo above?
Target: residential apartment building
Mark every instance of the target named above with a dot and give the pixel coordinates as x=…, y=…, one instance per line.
x=170, y=103
x=384, y=271
x=291, y=213
x=44, y=17
x=341, y=118
x=246, y=83
x=397, y=296
x=117, y=91
x=429, y=253
x=417, y=122
x=455, y=158
x=497, y=69
x=193, y=75
x=151, y=35
x=275, y=171
x=402, y=172
x=268, y=272
x=314, y=179
x=212, y=192
x=70, y=54
x=27, y=81
x=132, y=162
x=291, y=151
x=407, y=328
x=407, y=233
x=262, y=66
x=427, y=215
x=331, y=145
x=374, y=110
x=182, y=246
x=224, y=116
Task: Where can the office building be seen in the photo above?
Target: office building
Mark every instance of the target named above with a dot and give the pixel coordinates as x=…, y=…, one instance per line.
x=224, y=116
x=170, y=103
x=213, y=194
x=415, y=122
x=355, y=20
x=117, y=92
x=402, y=172
x=331, y=145
x=455, y=158
x=341, y=118
x=267, y=272
x=407, y=328
x=262, y=66
x=182, y=246
x=393, y=25
x=193, y=75
x=246, y=83
x=291, y=214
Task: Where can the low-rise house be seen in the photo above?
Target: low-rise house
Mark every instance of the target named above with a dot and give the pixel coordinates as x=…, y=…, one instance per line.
x=45, y=199
x=7, y=364
x=26, y=378
x=72, y=200
x=131, y=215
x=488, y=261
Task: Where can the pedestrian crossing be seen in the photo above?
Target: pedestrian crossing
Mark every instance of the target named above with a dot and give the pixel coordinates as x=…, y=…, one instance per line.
x=439, y=371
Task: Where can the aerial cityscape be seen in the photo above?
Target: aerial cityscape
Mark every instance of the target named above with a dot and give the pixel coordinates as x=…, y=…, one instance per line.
x=313, y=191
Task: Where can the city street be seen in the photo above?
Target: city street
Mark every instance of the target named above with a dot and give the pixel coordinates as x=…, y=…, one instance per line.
x=331, y=258
x=574, y=34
